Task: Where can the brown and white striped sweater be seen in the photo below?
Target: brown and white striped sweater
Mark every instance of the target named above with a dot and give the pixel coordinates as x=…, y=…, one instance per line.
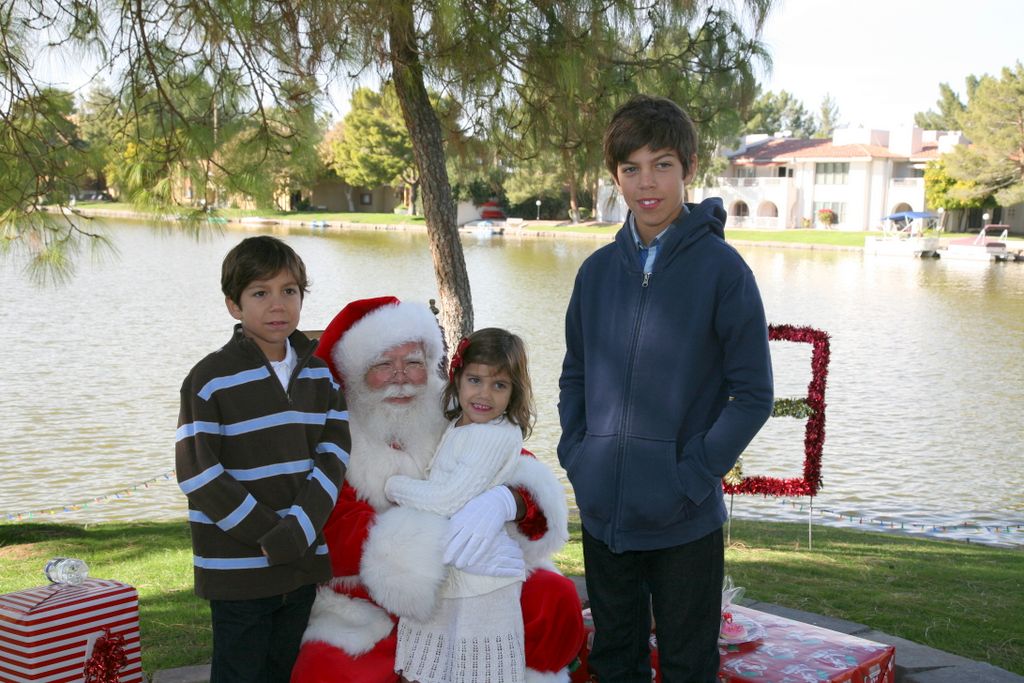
x=261, y=468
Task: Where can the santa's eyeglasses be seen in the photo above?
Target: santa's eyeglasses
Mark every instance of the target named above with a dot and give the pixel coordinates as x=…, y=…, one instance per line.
x=388, y=370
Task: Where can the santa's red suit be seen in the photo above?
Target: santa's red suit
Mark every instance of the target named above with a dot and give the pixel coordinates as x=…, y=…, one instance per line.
x=387, y=560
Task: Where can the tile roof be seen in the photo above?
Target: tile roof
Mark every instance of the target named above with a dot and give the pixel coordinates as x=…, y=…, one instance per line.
x=781, y=150
x=831, y=151
x=930, y=150
x=774, y=150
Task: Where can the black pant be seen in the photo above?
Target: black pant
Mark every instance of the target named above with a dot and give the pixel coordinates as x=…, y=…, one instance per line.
x=257, y=641
x=684, y=584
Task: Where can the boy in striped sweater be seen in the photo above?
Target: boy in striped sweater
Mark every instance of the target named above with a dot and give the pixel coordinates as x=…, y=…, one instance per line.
x=261, y=450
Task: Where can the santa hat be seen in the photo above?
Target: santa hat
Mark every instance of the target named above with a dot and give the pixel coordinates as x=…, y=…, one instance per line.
x=366, y=328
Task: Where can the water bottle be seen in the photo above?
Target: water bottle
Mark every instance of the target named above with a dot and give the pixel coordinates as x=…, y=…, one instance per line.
x=66, y=570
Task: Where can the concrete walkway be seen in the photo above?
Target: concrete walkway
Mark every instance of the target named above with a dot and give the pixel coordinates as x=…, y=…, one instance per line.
x=914, y=663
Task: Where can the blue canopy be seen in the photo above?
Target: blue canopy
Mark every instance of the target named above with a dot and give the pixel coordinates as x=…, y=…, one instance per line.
x=910, y=215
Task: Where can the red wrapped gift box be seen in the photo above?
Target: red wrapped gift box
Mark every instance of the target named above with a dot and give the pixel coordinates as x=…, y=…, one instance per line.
x=787, y=651
x=47, y=633
x=794, y=651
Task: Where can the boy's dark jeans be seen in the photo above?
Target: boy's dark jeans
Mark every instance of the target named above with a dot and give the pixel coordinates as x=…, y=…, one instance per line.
x=685, y=585
x=257, y=641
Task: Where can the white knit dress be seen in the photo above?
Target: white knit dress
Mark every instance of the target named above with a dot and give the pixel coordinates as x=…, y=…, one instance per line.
x=476, y=633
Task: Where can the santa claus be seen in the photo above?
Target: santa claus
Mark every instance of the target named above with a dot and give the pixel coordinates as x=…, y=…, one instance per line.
x=390, y=561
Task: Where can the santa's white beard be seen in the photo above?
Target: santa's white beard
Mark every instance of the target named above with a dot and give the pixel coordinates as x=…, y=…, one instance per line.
x=377, y=426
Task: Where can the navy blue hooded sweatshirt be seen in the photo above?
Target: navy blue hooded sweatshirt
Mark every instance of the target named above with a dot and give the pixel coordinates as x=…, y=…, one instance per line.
x=666, y=379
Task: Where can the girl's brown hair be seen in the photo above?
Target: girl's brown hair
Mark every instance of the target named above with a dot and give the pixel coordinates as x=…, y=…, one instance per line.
x=503, y=351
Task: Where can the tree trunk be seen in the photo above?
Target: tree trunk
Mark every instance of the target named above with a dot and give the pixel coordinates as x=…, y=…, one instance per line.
x=570, y=174
x=453, y=290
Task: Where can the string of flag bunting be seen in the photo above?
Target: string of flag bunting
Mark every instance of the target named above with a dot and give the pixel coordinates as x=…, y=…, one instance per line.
x=120, y=494
x=870, y=521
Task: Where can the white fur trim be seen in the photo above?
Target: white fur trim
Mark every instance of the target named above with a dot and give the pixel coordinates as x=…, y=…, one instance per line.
x=385, y=328
x=402, y=565
x=534, y=676
x=549, y=494
x=350, y=624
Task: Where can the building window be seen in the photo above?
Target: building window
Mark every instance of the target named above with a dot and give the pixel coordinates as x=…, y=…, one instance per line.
x=746, y=172
x=831, y=173
x=740, y=209
x=838, y=208
x=785, y=172
x=366, y=199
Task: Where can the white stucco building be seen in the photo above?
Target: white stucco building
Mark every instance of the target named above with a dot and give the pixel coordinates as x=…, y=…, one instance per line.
x=861, y=174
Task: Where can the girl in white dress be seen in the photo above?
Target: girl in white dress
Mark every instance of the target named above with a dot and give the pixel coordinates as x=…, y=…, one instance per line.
x=476, y=633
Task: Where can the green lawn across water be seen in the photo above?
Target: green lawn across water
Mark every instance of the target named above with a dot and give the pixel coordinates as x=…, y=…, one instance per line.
x=100, y=208
x=962, y=598
x=834, y=238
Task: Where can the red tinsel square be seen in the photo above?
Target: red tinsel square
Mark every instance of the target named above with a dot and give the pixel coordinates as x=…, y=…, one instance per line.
x=814, y=435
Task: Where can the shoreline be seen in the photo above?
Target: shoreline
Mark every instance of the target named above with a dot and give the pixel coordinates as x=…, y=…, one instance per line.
x=545, y=229
x=525, y=230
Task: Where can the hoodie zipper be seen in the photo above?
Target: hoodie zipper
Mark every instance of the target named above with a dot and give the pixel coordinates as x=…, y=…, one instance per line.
x=624, y=420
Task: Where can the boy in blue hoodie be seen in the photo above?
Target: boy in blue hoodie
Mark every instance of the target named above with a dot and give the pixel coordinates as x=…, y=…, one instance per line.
x=666, y=379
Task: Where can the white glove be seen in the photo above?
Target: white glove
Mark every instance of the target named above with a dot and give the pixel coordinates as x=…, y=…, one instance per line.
x=389, y=488
x=473, y=528
x=502, y=558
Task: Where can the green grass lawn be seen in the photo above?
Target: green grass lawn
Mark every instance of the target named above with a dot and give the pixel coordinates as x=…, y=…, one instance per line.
x=962, y=598
x=799, y=236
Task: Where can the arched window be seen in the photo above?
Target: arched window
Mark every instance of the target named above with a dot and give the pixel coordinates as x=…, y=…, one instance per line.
x=768, y=210
x=740, y=209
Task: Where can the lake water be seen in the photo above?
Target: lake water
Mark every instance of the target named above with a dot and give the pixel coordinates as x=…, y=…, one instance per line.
x=924, y=420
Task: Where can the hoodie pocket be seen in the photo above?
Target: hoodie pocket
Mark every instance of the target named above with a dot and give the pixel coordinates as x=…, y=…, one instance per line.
x=652, y=494
x=591, y=471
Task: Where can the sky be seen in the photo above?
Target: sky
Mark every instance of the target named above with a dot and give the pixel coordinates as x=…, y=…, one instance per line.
x=880, y=60
x=883, y=60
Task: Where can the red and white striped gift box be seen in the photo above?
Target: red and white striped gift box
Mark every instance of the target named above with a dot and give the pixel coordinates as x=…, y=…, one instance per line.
x=47, y=633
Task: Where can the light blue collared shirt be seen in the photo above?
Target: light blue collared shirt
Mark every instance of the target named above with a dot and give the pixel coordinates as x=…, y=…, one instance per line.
x=649, y=252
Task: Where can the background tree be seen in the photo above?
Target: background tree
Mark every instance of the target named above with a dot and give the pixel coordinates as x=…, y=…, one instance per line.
x=41, y=159
x=994, y=122
x=941, y=190
x=477, y=172
x=828, y=117
x=719, y=56
x=950, y=109
x=166, y=142
x=775, y=112
x=590, y=57
x=100, y=122
x=537, y=178
x=271, y=164
x=372, y=147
